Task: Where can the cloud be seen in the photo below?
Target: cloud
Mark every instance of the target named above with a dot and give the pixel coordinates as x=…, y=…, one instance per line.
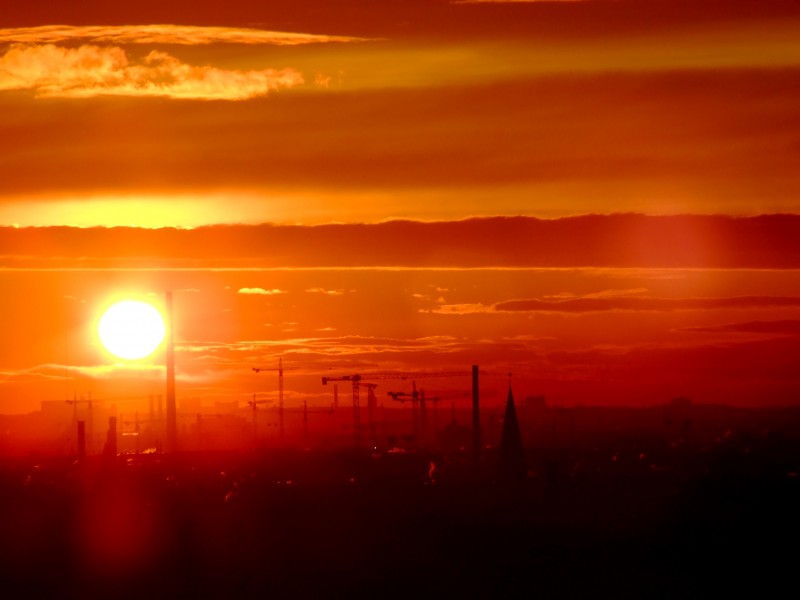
x=780, y=327
x=324, y=291
x=612, y=293
x=527, y=337
x=595, y=304
x=608, y=301
x=260, y=291
x=313, y=353
x=111, y=371
x=608, y=241
x=53, y=371
x=162, y=34
x=615, y=141
x=459, y=309
x=30, y=375
x=51, y=71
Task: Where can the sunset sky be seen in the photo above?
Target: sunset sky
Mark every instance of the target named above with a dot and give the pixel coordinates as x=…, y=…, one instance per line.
x=600, y=197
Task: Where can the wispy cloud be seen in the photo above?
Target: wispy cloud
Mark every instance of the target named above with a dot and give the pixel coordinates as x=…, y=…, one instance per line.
x=783, y=327
x=162, y=34
x=611, y=293
x=459, y=309
x=607, y=301
x=302, y=350
x=51, y=71
x=326, y=292
x=260, y=291
x=113, y=370
x=52, y=371
x=29, y=375
x=595, y=304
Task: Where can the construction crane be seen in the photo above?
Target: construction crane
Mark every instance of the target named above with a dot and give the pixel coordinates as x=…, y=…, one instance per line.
x=419, y=415
x=254, y=404
x=279, y=369
x=417, y=399
x=402, y=375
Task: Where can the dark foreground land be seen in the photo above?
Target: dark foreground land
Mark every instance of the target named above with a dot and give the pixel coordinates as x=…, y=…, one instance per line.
x=629, y=521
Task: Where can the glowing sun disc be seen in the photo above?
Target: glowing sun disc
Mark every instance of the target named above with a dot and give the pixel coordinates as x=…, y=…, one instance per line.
x=131, y=329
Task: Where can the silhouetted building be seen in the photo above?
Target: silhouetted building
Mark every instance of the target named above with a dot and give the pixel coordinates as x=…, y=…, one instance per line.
x=511, y=463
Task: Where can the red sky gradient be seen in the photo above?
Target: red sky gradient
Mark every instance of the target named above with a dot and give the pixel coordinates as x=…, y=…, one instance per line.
x=599, y=197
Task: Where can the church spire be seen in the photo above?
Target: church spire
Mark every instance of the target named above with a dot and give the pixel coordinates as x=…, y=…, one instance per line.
x=511, y=463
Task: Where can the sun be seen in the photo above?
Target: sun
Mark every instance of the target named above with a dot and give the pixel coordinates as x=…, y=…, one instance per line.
x=131, y=329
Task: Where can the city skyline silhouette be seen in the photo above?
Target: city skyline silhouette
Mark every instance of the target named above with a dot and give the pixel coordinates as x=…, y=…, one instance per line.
x=430, y=298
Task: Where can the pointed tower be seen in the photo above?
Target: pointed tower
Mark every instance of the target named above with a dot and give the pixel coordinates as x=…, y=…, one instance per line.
x=511, y=462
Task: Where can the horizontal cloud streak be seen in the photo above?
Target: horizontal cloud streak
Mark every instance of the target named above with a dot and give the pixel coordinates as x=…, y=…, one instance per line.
x=459, y=309
x=666, y=142
x=260, y=291
x=618, y=241
x=312, y=354
x=324, y=291
x=54, y=72
x=781, y=327
x=580, y=305
x=162, y=34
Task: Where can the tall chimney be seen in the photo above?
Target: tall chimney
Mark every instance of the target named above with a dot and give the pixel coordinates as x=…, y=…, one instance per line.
x=172, y=416
x=476, y=417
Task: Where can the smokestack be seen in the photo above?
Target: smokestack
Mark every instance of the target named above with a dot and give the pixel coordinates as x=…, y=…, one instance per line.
x=81, y=441
x=152, y=408
x=476, y=417
x=172, y=416
x=335, y=396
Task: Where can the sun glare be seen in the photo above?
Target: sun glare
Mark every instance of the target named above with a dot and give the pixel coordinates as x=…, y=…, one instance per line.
x=131, y=329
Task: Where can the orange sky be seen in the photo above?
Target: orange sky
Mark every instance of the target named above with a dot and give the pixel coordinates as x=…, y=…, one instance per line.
x=316, y=112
